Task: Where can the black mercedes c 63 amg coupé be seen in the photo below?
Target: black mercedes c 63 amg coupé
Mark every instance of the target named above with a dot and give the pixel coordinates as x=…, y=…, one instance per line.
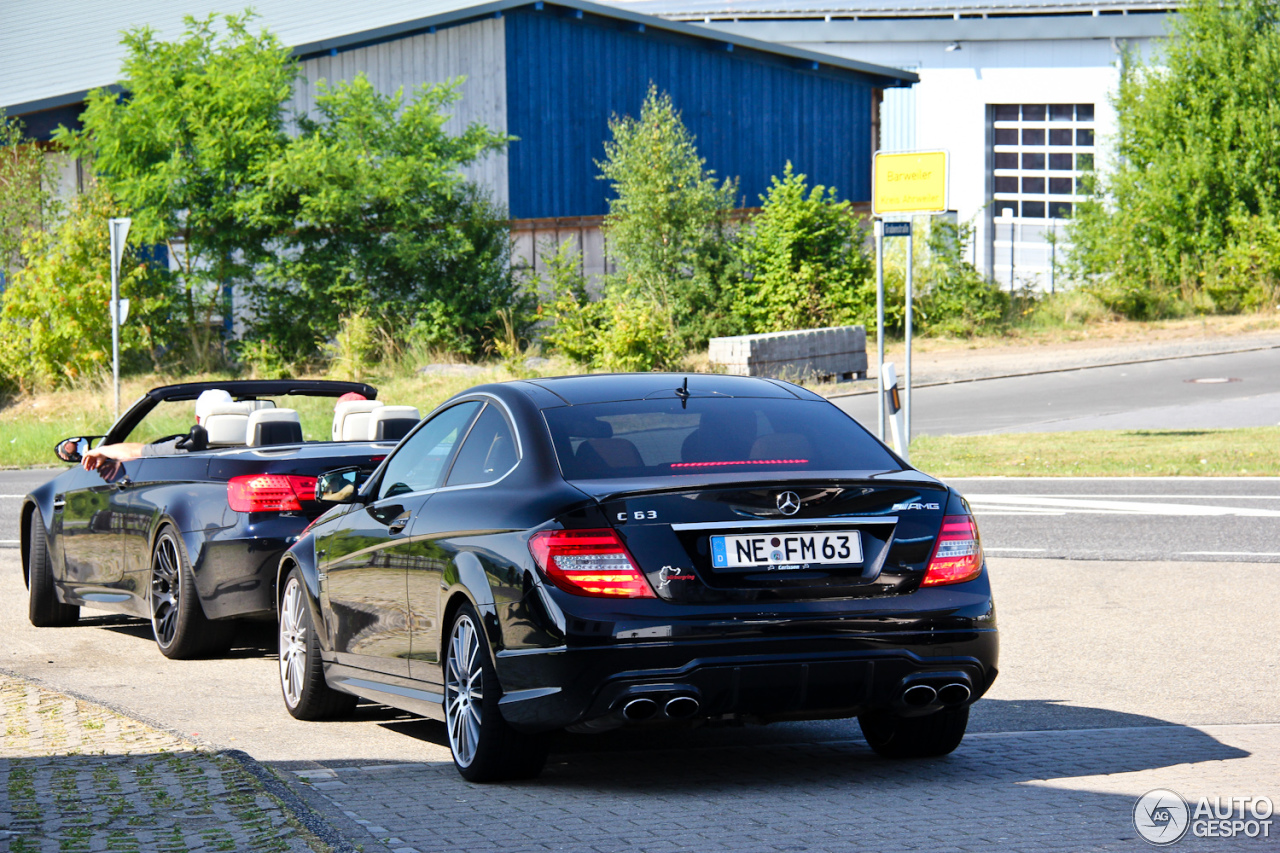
x=590, y=552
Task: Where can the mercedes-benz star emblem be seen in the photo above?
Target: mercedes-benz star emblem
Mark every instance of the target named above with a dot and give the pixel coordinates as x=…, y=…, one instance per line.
x=788, y=503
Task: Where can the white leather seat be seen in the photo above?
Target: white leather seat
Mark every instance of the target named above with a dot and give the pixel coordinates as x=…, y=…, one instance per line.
x=273, y=426
x=392, y=423
x=351, y=419
x=227, y=424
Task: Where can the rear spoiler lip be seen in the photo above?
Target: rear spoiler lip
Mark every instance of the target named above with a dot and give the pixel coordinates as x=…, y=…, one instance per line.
x=609, y=490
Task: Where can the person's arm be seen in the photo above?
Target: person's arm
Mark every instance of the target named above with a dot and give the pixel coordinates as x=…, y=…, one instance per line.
x=106, y=458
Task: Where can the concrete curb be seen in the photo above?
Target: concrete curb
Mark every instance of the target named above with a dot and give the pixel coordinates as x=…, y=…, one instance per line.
x=1065, y=369
x=293, y=804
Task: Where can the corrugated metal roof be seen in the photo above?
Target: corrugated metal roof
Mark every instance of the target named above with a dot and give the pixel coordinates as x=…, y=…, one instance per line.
x=722, y=9
x=51, y=53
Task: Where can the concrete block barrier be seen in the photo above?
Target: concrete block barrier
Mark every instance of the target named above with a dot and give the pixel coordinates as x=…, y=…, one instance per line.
x=838, y=352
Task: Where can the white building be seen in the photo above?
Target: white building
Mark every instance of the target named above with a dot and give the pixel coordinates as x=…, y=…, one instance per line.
x=1017, y=91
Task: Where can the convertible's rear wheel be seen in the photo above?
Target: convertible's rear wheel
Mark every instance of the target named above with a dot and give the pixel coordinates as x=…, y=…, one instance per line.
x=177, y=619
x=485, y=748
x=915, y=737
x=307, y=695
x=43, y=607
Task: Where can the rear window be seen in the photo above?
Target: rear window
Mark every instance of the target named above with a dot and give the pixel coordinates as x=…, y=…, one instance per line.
x=645, y=438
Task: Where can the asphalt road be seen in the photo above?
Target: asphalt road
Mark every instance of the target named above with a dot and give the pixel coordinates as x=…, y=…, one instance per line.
x=13, y=485
x=1115, y=678
x=1187, y=519
x=1152, y=395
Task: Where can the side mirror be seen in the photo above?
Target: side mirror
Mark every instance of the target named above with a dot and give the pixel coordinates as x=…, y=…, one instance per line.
x=72, y=449
x=340, y=486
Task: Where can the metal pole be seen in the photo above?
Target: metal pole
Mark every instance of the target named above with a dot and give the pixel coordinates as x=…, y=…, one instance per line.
x=1013, y=232
x=115, y=316
x=880, y=327
x=906, y=406
x=1053, y=258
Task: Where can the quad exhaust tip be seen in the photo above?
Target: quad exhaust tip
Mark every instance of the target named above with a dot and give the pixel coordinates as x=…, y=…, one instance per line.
x=639, y=709
x=954, y=694
x=681, y=707
x=919, y=695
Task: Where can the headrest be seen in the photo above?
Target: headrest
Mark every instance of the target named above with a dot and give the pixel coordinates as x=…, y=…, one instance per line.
x=584, y=427
x=392, y=423
x=273, y=426
x=227, y=423
x=351, y=419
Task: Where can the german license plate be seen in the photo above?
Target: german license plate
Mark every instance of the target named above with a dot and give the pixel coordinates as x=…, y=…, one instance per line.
x=778, y=551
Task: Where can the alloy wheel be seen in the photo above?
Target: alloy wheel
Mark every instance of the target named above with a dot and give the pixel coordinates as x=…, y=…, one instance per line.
x=166, y=588
x=463, y=694
x=293, y=643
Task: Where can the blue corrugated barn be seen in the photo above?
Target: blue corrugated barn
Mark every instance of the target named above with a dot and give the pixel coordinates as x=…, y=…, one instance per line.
x=550, y=74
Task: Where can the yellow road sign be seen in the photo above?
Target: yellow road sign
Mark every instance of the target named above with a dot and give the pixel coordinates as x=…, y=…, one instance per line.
x=915, y=182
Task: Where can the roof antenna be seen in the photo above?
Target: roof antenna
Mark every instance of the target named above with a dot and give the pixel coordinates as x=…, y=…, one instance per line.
x=683, y=393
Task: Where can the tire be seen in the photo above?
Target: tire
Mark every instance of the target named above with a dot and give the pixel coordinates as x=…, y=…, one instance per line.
x=307, y=696
x=43, y=608
x=485, y=748
x=915, y=737
x=178, y=622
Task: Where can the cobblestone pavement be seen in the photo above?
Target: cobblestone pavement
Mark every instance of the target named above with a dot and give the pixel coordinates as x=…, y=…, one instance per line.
x=1048, y=790
x=77, y=776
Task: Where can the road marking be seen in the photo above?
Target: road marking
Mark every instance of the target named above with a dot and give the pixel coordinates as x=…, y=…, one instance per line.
x=1037, y=550
x=9, y=541
x=1162, y=497
x=1015, y=503
x=12, y=496
x=1231, y=554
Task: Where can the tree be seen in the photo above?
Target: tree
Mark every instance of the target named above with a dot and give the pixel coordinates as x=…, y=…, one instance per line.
x=373, y=214
x=186, y=149
x=54, y=316
x=805, y=261
x=1197, y=158
x=668, y=224
x=27, y=193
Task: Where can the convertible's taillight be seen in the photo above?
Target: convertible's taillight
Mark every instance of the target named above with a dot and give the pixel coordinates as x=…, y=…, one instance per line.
x=957, y=556
x=270, y=492
x=589, y=562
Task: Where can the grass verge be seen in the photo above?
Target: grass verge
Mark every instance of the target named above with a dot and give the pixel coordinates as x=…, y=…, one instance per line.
x=1253, y=451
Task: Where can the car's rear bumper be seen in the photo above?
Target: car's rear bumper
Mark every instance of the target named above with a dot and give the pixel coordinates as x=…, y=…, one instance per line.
x=794, y=678
x=236, y=568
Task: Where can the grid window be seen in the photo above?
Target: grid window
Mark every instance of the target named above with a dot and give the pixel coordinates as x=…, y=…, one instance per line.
x=1060, y=186
x=1038, y=152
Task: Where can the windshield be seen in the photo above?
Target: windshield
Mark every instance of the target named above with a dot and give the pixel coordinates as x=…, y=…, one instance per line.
x=645, y=438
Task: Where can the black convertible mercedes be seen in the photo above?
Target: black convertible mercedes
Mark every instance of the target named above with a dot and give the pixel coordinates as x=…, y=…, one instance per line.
x=191, y=538
x=590, y=552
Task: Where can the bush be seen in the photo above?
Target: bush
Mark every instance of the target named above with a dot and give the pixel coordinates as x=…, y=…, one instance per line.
x=55, y=322
x=1183, y=216
x=668, y=224
x=956, y=299
x=573, y=322
x=805, y=260
x=374, y=212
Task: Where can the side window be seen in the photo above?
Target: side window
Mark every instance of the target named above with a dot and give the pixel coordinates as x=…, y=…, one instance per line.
x=419, y=463
x=488, y=453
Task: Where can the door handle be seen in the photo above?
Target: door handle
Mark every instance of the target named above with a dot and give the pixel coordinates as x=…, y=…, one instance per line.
x=124, y=484
x=58, y=503
x=398, y=524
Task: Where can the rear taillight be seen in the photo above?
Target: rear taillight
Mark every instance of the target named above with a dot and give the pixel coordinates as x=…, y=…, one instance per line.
x=589, y=562
x=957, y=556
x=270, y=492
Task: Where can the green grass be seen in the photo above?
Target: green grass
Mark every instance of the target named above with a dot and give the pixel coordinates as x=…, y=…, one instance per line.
x=1253, y=451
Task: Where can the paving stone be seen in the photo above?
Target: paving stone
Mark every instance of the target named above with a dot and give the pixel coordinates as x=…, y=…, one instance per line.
x=78, y=776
